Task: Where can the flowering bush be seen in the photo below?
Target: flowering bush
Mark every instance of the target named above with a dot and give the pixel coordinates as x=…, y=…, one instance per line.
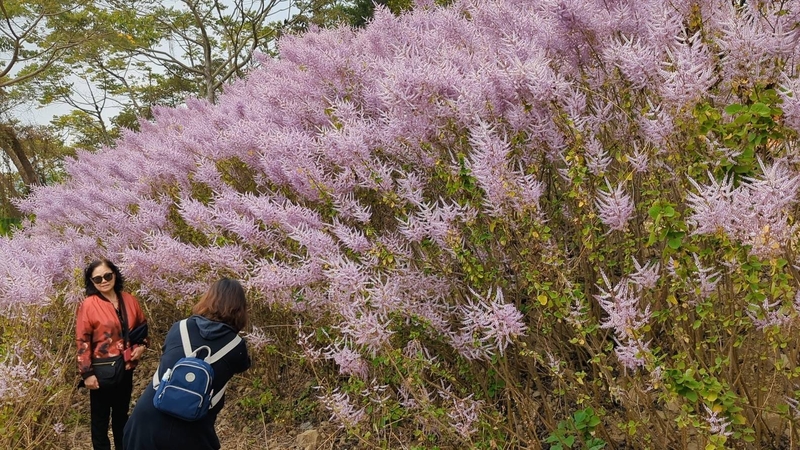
x=37, y=380
x=489, y=217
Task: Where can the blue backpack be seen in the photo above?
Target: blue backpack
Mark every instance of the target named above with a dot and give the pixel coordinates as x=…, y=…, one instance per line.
x=185, y=391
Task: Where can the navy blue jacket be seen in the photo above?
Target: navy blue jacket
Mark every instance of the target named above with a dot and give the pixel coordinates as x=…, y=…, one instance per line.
x=150, y=429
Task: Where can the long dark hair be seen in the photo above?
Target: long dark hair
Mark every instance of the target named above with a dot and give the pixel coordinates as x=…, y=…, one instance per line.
x=91, y=289
x=224, y=302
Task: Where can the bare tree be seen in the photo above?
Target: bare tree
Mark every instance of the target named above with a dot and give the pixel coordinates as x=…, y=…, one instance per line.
x=210, y=41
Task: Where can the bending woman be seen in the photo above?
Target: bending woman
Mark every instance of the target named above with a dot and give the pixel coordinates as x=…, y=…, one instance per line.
x=218, y=317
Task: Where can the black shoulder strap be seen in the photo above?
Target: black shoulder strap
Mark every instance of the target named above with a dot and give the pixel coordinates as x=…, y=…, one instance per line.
x=123, y=320
x=122, y=315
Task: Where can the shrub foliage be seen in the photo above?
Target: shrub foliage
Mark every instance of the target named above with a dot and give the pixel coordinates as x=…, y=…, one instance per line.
x=553, y=224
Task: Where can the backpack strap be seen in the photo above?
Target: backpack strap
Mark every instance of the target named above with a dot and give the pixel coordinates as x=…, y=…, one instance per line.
x=187, y=343
x=187, y=349
x=211, y=358
x=218, y=396
x=216, y=357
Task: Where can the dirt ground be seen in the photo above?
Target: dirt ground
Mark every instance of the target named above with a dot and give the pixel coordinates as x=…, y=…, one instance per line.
x=267, y=437
x=233, y=434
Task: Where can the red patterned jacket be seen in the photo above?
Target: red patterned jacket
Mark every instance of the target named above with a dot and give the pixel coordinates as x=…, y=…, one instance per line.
x=99, y=333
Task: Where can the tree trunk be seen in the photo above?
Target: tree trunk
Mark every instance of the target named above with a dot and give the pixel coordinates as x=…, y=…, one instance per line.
x=7, y=194
x=11, y=145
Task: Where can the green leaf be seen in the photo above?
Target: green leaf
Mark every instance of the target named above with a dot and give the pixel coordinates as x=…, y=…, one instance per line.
x=654, y=211
x=675, y=242
x=733, y=109
x=761, y=109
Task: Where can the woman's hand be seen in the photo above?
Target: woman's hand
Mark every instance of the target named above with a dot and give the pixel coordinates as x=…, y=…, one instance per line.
x=137, y=352
x=91, y=382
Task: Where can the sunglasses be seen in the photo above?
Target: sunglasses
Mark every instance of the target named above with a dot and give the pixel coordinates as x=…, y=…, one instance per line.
x=99, y=279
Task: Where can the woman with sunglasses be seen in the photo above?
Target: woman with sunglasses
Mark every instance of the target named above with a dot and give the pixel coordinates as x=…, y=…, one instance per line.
x=111, y=335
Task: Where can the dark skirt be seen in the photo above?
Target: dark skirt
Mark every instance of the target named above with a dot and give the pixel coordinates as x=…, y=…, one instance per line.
x=150, y=429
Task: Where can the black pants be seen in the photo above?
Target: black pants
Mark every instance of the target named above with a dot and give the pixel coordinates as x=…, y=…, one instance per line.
x=110, y=403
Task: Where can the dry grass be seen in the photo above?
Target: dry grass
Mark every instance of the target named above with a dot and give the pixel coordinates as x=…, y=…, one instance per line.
x=235, y=431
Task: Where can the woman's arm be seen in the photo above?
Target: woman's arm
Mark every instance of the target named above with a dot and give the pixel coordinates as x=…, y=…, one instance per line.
x=83, y=340
x=243, y=358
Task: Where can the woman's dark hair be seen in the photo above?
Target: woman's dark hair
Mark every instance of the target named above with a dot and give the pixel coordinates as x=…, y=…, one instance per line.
x=91, y=289
x=224, y=302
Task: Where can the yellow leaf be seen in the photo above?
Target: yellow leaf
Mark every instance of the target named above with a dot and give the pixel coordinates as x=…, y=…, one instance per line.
x=542, y=299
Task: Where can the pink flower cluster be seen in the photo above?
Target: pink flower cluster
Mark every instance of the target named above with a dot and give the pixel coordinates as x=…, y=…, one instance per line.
x=15, y=376
x=626, y=318
x=489, y=326
x=343, y=410
x=755, y=213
